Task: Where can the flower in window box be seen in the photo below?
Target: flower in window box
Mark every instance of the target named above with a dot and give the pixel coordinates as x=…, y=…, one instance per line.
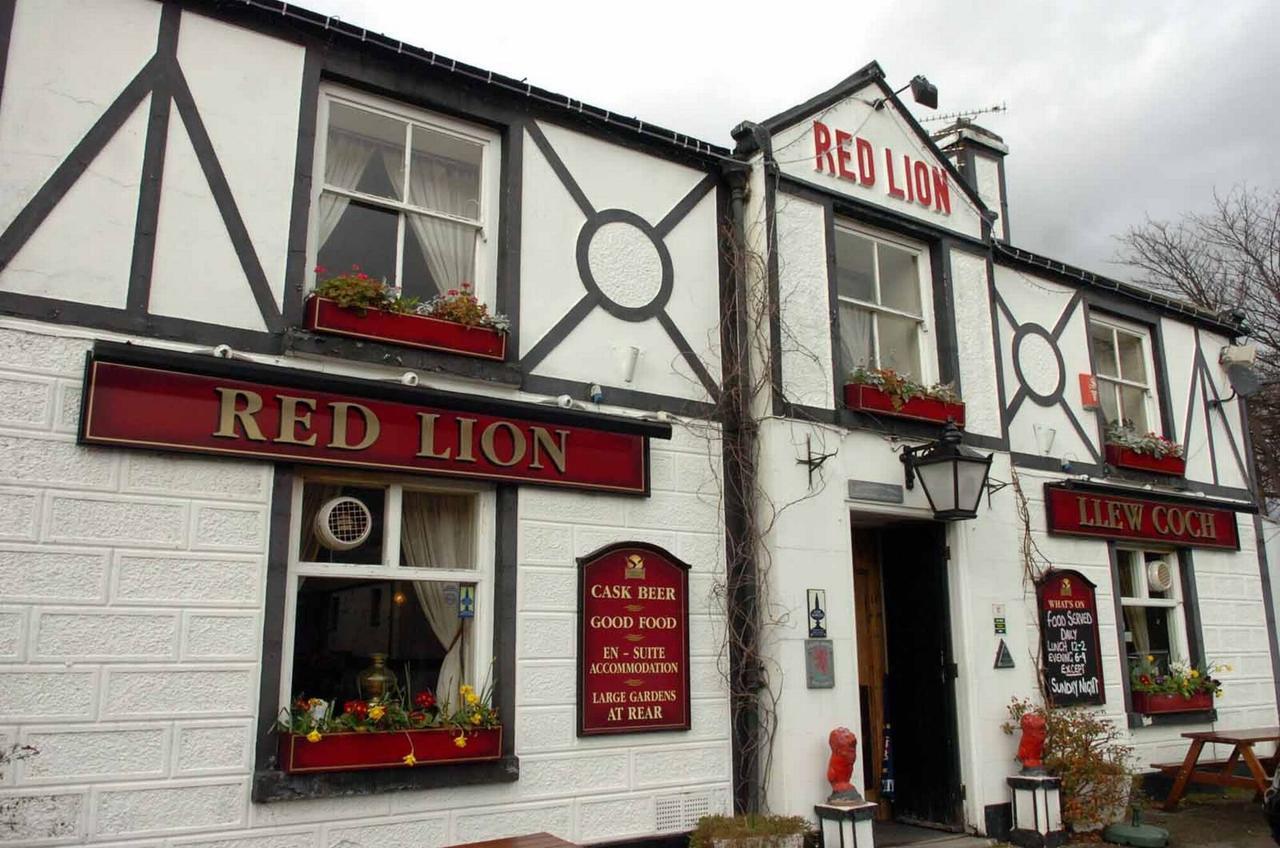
x=424, y=700
x=313, y=736
x=461, y=740
x=1148, y=444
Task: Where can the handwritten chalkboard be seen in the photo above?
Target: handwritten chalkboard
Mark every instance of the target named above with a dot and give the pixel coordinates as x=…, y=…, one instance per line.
x=1071, y=654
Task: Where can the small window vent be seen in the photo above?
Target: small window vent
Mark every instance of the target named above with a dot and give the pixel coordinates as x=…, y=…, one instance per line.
x=681, y=812
x=343, y=524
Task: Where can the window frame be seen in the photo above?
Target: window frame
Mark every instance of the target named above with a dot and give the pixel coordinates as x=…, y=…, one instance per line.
x=1105, y=383
x=1180, y=636
x=485, y=273
x=928, y=353
x=481, y=649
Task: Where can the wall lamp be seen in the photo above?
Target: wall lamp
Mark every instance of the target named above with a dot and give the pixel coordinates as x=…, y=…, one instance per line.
x=922, y=91
x=952, y=475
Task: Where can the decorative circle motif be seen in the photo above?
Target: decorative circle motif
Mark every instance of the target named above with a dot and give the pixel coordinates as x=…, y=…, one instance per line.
x=1038, y=364
x=623, y=260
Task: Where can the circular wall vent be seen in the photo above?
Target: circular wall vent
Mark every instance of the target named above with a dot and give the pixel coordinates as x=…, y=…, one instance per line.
x=1159, y=575
x=343, y=523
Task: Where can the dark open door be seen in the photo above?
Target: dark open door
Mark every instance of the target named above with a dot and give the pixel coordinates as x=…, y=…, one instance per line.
x=921, y=679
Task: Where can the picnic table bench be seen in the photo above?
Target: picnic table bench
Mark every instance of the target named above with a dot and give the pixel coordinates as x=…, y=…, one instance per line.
x=1222, y=772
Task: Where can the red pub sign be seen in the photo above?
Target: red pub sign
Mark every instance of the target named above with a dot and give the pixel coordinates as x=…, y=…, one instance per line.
x=633, y=640
x=149, y=405
x=1090, y=512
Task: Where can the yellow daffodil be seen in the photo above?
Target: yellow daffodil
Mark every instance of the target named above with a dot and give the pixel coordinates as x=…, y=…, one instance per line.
x=313, y=736
x=1194, y=673
x=472, y=699
x=475, y=718
x=410, y=759
x=377, y=711
x=1150, y=658
x=461, y=741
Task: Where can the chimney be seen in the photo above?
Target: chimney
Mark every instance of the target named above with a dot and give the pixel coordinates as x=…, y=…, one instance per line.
x=978, y=154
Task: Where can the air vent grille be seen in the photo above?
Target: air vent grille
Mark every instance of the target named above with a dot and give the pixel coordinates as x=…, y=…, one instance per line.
x=676, y=813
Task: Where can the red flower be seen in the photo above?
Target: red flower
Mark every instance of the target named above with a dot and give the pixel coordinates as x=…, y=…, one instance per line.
x=417, y=717
x=357, y=708
x=320, y=269
x=424, y=700
x=1144, y=680
x=466, y=285
x=453, y=292
x=362, y=276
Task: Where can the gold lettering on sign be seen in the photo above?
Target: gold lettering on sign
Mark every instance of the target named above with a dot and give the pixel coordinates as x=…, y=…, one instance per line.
x=428, y=443
x=228, y=414
x=341, y=411
x=290, y=420
x=1133, y=512
x=466, y=428
x=542, y=441
x=518, y=443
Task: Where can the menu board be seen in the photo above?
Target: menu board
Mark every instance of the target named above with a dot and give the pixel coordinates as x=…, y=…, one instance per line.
x=1070, y=645
x=633, y=640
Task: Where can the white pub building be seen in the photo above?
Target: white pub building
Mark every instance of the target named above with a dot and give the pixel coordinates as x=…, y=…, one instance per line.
x=395, y=453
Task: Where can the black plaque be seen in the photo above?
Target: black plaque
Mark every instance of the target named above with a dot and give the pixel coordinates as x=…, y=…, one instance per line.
x=1072, y=656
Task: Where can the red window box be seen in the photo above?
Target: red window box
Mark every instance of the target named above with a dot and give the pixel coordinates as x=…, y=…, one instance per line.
x=1122, y=457
x=386, y=749
x=326, y=316
x=1149, y=703
x=865, y=398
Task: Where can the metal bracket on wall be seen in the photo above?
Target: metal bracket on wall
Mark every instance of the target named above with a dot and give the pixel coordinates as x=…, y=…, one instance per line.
x=811, y=460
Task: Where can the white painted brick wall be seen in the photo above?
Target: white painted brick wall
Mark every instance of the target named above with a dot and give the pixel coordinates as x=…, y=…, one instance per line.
x=131, y=586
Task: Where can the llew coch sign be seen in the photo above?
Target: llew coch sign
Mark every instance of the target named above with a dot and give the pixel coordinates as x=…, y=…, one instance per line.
x=1082, y=512
x=633, y=646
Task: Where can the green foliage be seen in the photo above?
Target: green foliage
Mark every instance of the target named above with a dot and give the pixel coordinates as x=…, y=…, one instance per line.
x=711, y=828
x=357, y=291
x=901, y=388
x=393, y=712
x=1183, y=679
x=461, y=306
x=1085, y=750
x=1144, y=443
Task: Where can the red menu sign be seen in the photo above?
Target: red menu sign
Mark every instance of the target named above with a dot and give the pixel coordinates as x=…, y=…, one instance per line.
x=633, y=643
x=1072, y=648
x=157, y=407
x=1083, y=512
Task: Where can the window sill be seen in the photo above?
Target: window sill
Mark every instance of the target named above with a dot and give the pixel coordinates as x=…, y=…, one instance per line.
x=270, y=786
x=302, y=342
x=854, y=420
x=1141, y=720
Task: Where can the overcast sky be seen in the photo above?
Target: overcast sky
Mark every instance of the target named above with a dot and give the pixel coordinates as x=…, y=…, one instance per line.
x=1116, y=110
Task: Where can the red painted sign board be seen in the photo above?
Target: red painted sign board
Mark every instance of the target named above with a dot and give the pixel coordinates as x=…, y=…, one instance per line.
x=1084, y=512
x=633, y=640
x=1071, y=646
x=156, y=407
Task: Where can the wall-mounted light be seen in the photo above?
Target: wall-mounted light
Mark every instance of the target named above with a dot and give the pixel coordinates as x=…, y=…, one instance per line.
x=952, y=475
x=922, y=91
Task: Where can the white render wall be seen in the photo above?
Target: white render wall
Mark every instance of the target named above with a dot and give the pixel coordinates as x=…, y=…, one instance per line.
x=809, y=547
x=131, y=626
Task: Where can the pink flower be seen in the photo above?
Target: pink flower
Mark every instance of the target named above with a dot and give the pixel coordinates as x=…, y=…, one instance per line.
x=362, y=276
x=320, y=269
x=453, y=291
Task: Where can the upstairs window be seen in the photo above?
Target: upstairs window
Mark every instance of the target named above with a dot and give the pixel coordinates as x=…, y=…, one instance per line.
x=1122, y=358
x=879, y=285
x=407, y=196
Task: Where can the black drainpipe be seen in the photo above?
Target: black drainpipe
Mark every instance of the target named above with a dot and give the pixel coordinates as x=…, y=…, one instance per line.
x=739, y=459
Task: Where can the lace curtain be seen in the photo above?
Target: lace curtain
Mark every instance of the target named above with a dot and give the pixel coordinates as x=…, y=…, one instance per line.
x=448, y=248
x=436, y=532
x=345, y=160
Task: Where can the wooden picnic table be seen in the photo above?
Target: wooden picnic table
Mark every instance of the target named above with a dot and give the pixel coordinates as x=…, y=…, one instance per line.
x=533, y=840
x=1222, y=772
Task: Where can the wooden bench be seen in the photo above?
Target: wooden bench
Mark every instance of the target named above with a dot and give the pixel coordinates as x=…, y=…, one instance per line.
x=533, y=840
x=1222, y=772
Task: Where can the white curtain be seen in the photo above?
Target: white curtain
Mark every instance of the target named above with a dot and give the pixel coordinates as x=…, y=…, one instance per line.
x=855, y=338
x=314, y=496
x=449, y=248
x=436, y=532
x=345, y=159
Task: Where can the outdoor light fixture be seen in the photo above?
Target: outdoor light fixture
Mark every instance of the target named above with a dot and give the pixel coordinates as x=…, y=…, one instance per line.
x=922, y=91
x=952, y=475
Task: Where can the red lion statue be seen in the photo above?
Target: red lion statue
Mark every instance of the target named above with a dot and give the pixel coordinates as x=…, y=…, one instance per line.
x=844, y=753
x=1031, y=748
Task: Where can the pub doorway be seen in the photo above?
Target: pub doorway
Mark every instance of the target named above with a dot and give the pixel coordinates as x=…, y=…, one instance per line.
x=906, y=674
